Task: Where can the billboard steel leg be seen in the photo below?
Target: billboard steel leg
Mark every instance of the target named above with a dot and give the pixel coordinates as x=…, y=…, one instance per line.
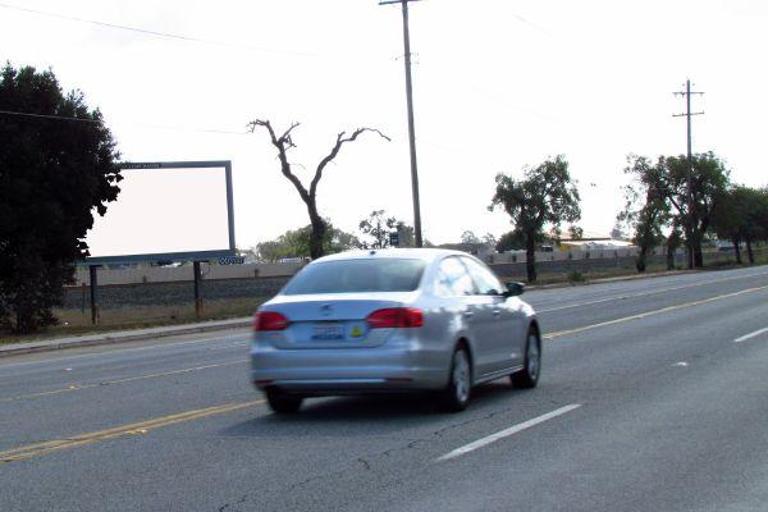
x=94, y=279
x=198, y=294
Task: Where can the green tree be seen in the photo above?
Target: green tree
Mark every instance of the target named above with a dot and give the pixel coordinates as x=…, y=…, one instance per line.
x=668, y=177
x=546, y=196
x=408, y=235
x=284, y=143
x=469, y=237
x=617, y=232
x=57, y=164
x=668, y=180
x=674, y=241
x=490, y=240
x=709, y=179
x=737, y=217
x=296, y=243
x=575, y=232
x=646, y=210
x=376, y=229
x=511, y=241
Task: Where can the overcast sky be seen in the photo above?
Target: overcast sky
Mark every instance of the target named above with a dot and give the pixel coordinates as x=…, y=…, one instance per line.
x=498, y=84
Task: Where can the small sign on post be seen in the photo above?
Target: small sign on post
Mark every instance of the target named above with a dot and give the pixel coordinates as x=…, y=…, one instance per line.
x=394, y=239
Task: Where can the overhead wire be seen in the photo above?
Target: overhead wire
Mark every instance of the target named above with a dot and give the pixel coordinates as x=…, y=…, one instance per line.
x=186, y=38
x=98, y=121
x=155, y=33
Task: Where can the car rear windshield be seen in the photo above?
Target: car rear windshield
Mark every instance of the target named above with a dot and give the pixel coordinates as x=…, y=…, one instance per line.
x=351, y=276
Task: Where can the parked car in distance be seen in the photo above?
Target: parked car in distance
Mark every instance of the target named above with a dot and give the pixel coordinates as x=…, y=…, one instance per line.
x=391, y=321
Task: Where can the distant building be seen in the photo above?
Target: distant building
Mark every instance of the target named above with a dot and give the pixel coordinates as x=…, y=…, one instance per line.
x=481, y=250
x=592, y=242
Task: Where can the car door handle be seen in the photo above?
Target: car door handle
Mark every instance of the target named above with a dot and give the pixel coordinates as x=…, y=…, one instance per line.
x=497, y=313
x=469, y=314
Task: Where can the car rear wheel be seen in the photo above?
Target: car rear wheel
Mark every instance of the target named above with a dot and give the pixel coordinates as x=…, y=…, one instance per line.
x=281, y=403
x=528, y=377
x=455, y=396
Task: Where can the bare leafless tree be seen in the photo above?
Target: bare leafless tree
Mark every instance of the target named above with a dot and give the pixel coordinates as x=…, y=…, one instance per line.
x=283, y=144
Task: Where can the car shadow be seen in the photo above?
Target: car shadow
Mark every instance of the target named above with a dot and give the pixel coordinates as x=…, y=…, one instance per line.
x=371, y=415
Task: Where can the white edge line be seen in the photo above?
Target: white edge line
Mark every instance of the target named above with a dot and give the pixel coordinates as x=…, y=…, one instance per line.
x=750, y=335
x=485, y=441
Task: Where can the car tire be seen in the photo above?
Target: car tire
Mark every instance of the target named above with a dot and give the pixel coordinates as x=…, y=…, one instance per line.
x=456, y=395
x=280, y=403
x=528, y=377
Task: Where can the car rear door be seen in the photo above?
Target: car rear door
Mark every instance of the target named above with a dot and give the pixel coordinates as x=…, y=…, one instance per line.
x=504, y=341
x=455, y=284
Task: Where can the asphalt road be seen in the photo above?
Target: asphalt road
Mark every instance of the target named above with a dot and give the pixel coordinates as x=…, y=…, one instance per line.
x=654, y=398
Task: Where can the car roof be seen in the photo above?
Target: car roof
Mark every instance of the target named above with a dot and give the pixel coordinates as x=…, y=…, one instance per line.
x=427, y=255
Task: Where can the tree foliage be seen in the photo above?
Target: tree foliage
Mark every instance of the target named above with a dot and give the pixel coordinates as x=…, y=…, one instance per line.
x=54, y=171
x=284, y=143
x=546, y=196
x=647, y=209
x=741, y=216
x=375, y=230
x=469, y=237
x=296, y=244
x=667, y=180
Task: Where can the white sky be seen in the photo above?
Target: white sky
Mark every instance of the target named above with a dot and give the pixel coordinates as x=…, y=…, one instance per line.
x=498, y=84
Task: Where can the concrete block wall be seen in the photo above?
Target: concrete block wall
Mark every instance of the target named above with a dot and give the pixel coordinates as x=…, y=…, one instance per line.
x=184, y=273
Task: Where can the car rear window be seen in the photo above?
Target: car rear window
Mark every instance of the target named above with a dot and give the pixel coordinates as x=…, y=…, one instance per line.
x=363, y=275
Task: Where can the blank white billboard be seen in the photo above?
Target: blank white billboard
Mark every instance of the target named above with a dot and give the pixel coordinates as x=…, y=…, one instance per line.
x=178, y=210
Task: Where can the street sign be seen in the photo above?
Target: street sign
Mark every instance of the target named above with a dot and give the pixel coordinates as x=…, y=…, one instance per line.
x=394, y=239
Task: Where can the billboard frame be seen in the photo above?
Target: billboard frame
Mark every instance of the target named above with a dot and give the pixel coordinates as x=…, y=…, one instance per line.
x=177, y=256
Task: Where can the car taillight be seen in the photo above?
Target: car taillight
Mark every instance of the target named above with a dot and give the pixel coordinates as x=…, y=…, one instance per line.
x=396, y=318
x=269, y=321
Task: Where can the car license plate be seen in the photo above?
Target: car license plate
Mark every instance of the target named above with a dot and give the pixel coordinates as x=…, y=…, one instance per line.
x=328, y=331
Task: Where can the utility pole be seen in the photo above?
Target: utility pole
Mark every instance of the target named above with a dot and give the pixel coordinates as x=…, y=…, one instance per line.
x=411, y=124
x=691, y=203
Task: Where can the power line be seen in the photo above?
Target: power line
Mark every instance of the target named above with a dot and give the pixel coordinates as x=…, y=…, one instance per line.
x=97, y=121
x=155, y=33
x=49, y=116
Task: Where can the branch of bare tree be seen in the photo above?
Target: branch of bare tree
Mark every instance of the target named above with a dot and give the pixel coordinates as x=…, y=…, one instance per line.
x=283, y=144
x=340, y=141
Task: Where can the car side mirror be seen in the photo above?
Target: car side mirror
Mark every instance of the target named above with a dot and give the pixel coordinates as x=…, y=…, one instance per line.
x=514, y=289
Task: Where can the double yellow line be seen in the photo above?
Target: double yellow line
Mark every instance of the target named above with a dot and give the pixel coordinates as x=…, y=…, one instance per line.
x=80, y=387
x=140, y=428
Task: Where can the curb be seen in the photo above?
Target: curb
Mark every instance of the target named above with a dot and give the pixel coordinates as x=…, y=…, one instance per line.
x=119, y=337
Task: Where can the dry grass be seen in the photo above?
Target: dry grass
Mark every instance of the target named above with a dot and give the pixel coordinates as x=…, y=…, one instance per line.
x=75, y=322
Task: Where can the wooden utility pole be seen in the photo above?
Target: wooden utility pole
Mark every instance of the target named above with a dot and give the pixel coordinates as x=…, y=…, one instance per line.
x=693, y=228
x=411, y=124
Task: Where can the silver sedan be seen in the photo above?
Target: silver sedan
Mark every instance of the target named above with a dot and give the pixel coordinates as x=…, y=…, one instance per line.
x=395, y=320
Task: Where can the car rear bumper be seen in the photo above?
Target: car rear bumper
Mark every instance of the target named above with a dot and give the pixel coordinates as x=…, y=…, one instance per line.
x=347, y=371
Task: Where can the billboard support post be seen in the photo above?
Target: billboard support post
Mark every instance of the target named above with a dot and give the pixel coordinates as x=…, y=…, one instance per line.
x=94, y=280
x=198, y=294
